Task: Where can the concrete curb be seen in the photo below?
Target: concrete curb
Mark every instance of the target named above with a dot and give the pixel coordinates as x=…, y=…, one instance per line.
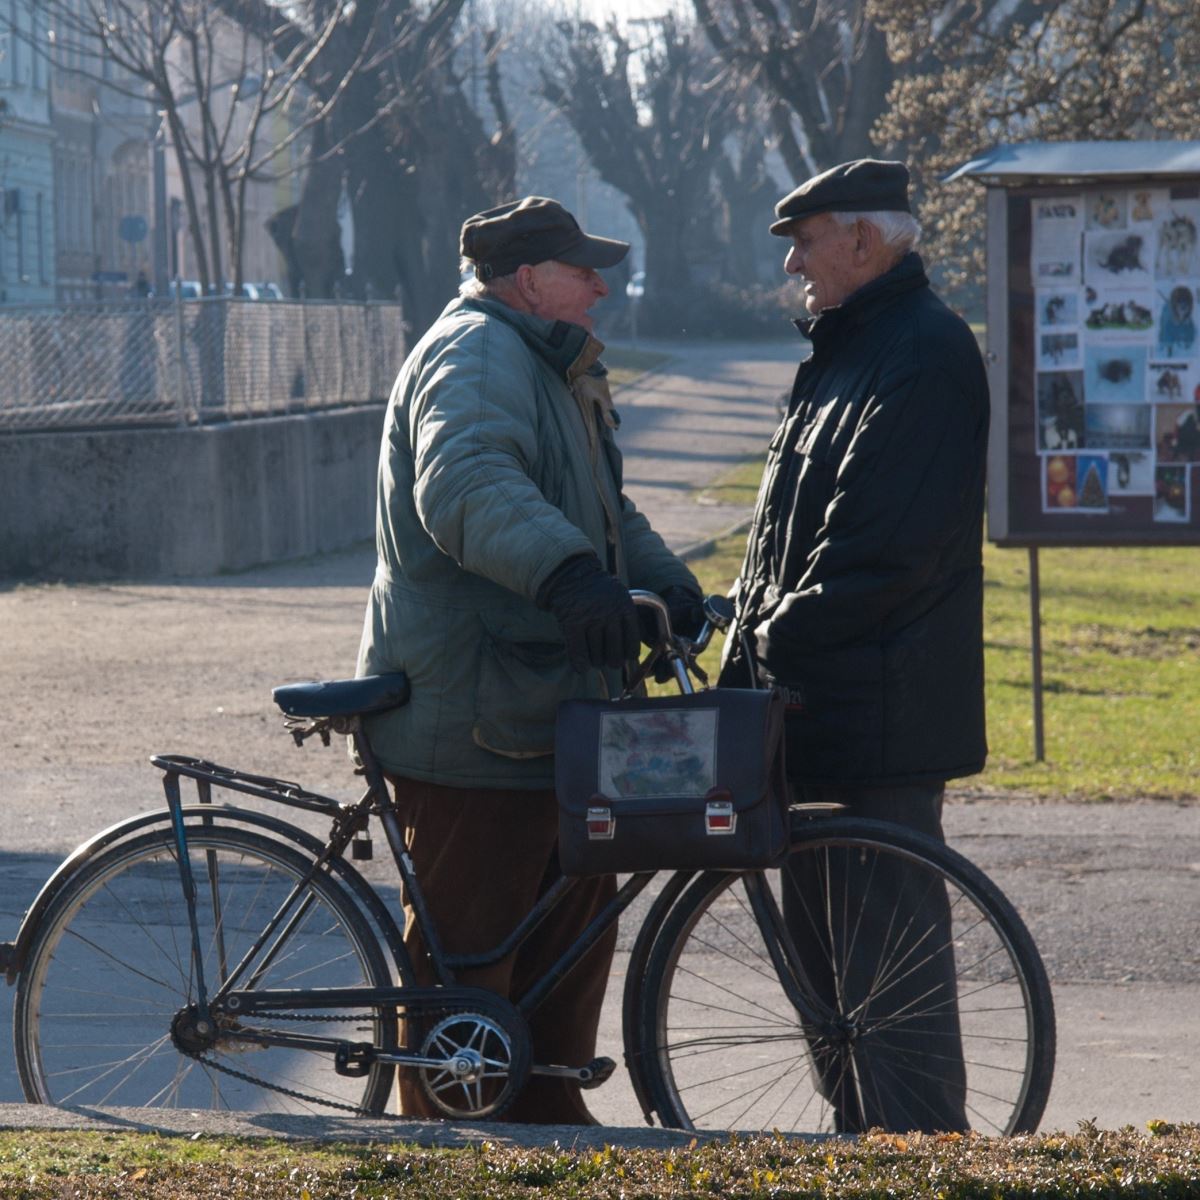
x=706, y=546
x=334, y=1128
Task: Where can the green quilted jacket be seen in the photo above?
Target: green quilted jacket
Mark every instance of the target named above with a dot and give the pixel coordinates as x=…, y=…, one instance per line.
x=498, y=462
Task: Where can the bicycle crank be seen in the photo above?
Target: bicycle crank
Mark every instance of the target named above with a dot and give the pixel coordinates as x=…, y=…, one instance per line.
x=478, y=1065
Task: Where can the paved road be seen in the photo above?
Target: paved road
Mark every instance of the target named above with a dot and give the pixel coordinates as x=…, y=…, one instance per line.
x=95, y=678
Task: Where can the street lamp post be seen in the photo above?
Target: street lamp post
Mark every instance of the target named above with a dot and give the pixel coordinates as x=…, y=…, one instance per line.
x=161, y=268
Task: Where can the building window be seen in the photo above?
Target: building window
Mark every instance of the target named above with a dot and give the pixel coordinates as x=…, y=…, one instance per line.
x=21, y=276
x=87, y=230
x=14, y=41
x=38, y=51
x=41, y=239
x=78, y=174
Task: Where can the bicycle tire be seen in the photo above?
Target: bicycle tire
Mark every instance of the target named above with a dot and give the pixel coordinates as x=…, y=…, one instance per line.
x=110, y=966
x=725, y=1047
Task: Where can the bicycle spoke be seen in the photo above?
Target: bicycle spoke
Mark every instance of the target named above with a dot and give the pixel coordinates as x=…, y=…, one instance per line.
x=911, y=985
x=83, y=974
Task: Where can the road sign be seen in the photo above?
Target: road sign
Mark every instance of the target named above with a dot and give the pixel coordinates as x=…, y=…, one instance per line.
x=133, y=229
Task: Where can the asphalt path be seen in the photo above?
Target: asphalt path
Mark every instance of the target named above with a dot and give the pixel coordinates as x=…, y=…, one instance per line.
x=95, y=678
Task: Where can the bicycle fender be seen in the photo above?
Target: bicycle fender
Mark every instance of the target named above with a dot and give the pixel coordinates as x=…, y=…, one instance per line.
x=13, y=959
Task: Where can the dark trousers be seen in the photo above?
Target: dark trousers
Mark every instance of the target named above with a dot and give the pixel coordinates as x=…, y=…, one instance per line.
x=482, y=858
x=874, y=938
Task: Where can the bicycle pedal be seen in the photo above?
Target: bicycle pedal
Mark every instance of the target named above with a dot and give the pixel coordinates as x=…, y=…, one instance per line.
x=353, y=1059
x=598, y=1071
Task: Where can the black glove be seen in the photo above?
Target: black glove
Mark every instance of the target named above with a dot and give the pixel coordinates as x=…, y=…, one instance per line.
x=684, y=608
x=597, y=615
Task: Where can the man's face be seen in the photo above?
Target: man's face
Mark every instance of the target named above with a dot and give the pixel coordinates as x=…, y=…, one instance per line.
x=823, y=255
x=565, y=293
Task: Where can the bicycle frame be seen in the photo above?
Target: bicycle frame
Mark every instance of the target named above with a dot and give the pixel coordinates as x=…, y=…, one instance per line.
x=347, y=820
x=234, y=989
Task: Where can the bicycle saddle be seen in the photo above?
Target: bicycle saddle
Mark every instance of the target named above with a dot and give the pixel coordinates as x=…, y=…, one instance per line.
x=343, y=697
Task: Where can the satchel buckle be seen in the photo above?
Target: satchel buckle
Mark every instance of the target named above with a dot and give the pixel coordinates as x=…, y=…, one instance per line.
x=601, y=826
x=719, y=817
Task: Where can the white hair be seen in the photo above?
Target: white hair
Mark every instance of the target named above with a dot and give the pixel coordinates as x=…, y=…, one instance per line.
x=472, y=288
x=899, y=230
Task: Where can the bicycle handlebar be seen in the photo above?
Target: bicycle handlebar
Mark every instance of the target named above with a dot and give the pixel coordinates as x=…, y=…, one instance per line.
x=680, y=652
x=718, y=616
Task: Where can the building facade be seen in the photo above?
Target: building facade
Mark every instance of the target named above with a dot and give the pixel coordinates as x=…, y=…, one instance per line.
x=103, y=218
x=77, y=178
x=27, y=241
x=238, y=61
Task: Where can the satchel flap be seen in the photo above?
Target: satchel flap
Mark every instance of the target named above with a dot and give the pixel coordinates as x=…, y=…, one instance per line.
x=666, y=754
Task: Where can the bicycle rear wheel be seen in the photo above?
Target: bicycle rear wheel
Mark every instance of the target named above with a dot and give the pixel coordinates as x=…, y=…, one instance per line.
x=902, y=991
x=110, y=970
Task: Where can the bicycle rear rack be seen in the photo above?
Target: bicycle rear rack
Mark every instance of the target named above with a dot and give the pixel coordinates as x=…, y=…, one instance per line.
x=265, y=786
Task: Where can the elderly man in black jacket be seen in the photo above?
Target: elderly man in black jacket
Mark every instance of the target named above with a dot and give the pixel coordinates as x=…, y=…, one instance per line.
x=861, y=591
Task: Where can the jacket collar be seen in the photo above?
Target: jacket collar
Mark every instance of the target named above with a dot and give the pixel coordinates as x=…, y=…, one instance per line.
x=868, y=302
x=567, y=347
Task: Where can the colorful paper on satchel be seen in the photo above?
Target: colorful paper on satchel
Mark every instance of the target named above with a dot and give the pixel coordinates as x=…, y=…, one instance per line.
x=660, y=752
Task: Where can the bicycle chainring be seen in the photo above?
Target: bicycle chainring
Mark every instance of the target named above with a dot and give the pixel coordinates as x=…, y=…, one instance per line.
x=482, y=1067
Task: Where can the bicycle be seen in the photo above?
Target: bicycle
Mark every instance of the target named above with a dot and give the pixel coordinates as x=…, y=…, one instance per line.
x=216, y=955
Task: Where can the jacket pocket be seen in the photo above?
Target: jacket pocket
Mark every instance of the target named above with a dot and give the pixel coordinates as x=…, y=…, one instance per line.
x=520, y=685
x=834, y=719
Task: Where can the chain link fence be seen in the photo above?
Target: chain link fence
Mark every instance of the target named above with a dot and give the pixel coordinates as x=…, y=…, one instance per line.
x=164, y=362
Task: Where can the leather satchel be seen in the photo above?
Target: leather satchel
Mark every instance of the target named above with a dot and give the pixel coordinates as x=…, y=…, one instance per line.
x=671, y=782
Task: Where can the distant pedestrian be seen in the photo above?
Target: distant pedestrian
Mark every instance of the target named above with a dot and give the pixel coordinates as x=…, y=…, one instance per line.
x=861, y=592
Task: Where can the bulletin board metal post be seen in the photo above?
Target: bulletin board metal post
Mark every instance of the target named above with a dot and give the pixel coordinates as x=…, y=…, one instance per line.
x=1093, y=311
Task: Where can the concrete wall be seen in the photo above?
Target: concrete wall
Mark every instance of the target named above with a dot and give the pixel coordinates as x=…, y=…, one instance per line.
x=161, y=502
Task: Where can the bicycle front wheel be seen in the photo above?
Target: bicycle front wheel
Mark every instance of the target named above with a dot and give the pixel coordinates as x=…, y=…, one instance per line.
x=879, y=979
x=102, y=1002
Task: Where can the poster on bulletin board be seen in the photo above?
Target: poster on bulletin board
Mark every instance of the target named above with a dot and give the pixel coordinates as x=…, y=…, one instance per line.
x=1103, y=429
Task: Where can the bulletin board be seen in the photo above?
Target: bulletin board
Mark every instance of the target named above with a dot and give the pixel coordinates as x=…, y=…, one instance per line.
x=1095, y=299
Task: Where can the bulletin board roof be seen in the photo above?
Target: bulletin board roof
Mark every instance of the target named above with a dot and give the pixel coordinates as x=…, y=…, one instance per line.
x=1014, y=165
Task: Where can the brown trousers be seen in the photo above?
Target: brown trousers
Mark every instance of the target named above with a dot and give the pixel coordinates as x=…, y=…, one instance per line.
x=482, y=858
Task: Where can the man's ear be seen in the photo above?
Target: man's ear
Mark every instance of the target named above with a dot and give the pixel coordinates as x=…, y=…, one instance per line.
x=527, y=283
x=867, y=241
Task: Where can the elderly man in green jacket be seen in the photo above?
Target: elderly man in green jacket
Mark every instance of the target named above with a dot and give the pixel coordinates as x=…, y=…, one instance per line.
x=506, y=553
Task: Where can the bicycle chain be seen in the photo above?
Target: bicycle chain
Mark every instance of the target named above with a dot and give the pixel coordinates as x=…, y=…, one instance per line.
x=245, y=1077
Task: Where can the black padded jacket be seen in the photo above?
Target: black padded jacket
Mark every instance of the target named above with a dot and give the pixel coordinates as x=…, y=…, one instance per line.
x=863, y=574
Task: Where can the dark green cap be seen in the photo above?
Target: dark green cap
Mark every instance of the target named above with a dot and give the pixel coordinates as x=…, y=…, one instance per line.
x=865, y=185
x=531, y=231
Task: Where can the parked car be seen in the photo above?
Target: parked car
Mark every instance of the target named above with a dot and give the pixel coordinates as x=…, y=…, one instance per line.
x=256, y=291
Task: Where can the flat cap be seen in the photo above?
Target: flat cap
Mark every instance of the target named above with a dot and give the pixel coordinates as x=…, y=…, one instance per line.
x=864, y=185
x=531, y=231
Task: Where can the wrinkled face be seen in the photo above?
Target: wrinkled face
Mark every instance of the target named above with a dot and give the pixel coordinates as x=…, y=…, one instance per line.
x=565, y=293
x=822, y=254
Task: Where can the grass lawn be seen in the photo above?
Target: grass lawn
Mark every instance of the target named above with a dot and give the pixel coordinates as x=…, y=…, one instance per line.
x=1159, y=1162
x=625, y=364
x=1121, y=665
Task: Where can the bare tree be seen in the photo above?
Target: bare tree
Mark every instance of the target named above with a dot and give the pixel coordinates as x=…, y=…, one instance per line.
x=1059, y=71
x=215, y=84
x=822, y=67
x=658, y=141
x=399, y=134
x=825, y=67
